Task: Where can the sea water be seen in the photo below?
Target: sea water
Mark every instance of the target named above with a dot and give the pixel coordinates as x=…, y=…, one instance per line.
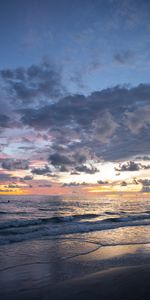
x=25, y=218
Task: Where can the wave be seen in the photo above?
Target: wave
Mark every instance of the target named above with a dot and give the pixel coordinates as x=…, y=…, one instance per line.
x=70, y=218
x=59, y=219
x=13, y=212
x=131, y=218
x=20, y=230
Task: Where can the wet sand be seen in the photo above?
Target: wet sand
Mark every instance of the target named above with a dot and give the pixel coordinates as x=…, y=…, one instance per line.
x=130, y=283
x=124, y=283
x=72, y=268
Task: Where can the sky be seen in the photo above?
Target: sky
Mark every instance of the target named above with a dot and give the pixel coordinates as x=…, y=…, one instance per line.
x=74, y=96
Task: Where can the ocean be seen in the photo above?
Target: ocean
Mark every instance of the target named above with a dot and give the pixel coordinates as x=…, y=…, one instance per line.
x=119, y=221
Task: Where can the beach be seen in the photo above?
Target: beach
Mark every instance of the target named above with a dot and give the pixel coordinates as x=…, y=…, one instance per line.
x=117, y=283
x=74, y=268
x=59, y=249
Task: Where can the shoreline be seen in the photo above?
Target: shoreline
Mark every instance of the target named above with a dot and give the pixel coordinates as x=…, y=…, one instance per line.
x=74, y=269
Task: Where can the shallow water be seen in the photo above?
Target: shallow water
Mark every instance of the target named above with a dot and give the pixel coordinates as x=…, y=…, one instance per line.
x=31, y=217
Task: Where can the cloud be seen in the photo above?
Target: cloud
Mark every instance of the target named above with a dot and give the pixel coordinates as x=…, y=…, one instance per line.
x=44, y=185
x=105, y=128
x=33, y=83
x=135, y=181
x=77, y=114
x=102, y=182
x=63, y=169
x=74, y=184
x=145, y=182
x=74, y=173
x=145, y=185
x=26, y=148
x=73, y=163
x=41, y=171
x=124, y=57
x=6, y=177
x=123, y=183
x=145, y=189
x=138, y=119
x=131, y=166
x=27, y=177
x=104, y=122
x=57, y=159
x=13, y=186
x=80, y=158
x=85, y=169
x=4, y=121
x=77, y=130
x=15, y=164
x=146, y=158
x=5, y=191
x=128, y=166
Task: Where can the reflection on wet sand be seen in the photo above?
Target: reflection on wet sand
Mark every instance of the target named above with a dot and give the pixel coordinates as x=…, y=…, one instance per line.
x=29, y=267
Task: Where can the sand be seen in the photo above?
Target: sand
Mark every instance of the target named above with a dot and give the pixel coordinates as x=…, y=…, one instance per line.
x=117, y=283
x=74, y=270
x=124, y=283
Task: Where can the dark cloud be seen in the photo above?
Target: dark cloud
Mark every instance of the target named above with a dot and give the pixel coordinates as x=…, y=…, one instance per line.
x=145, y=182
x=135, y=181
x=74, y=184
x=108, y=125
x=74, y=173
x=26, y=148
x=113, y=123
x=57, y=159
x=128, y=166
x=15, y=164
x=117, y=174
x=63, y=169
x=13, y=186
x=33, y=83
x=145, y=185
x=78, y=114
x=85, y=169
x=27, y=177
x=126, y=146
x=131, y=166
x=80, y=158
x=145, y=189
x=74, y=162
x=123, y=183
x=41, y=171
x=52, y=175
x=102, y=182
